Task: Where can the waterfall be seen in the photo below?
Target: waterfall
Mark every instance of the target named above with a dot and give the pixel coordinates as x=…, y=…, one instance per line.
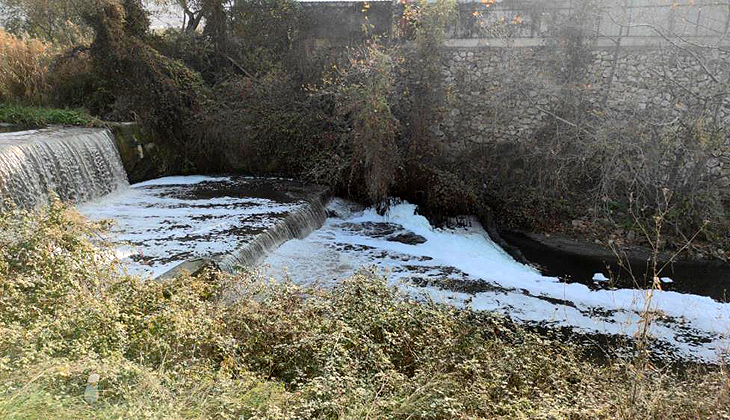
x=297, y=225
x=77, y=164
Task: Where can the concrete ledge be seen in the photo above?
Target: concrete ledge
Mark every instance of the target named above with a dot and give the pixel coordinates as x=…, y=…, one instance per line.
x=628, y=42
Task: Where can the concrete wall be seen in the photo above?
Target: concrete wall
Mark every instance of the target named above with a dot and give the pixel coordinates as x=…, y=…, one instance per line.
x=142, y=157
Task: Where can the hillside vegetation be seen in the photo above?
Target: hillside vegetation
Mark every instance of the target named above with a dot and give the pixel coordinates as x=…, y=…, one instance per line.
x=219, y=346
x=247, y=95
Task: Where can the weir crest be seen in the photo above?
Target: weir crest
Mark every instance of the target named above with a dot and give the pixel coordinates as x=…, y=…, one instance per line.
x=76, y=164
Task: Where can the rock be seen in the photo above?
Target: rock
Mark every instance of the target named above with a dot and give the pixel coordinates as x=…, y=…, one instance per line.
x=579, y=224
x=91, y=393
x=408, y=238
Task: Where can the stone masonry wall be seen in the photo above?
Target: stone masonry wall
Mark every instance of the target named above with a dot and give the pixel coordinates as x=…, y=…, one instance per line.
x=506, y=94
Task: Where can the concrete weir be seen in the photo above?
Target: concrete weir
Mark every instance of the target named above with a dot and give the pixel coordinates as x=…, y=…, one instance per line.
x=169, y=224
x=188, y=221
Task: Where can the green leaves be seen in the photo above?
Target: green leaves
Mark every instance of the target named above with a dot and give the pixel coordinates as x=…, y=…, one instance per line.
x=32, y=117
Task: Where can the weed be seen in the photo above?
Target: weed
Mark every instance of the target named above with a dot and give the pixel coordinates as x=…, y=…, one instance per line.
x=219, y=346
x=36, y=117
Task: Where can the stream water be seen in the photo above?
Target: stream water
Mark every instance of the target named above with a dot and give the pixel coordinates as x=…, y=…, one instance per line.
x=463, y=267
x=240, y=221
x=161, y=223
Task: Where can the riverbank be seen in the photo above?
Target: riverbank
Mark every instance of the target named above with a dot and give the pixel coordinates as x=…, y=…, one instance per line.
x=184, y=349
x=29, y=117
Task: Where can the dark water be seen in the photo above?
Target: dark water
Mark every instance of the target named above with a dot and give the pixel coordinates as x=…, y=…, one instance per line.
x=700, y=278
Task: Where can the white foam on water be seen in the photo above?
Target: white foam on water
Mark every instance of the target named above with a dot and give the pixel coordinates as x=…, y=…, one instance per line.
x=599, y=277
x=695, y=327
x=158, y=226
x=180, y=180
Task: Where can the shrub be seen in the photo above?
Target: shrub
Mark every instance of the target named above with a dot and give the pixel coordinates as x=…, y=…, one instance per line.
x=23, y=69
x=662, y=170
x=264, y=126
x=363, y=98
x=75, y=83
x=218, y=346
x=192, y=48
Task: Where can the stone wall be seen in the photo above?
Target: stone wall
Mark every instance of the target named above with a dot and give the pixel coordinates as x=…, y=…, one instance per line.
x=141, y=156
x=500, y=94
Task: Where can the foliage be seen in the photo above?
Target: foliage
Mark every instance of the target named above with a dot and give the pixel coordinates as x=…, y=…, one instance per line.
x=75, y=83
x=33, y=117
x=57, y=21
x=368, y=153
x=142, y=76
x=216, y=346
x=265, y=31
x=23, y=69
x=570, y=40
x=423, y=93
x=265, y=126
x=622, y=165
x=192, y=48
x=194, y=11
x=647, y=163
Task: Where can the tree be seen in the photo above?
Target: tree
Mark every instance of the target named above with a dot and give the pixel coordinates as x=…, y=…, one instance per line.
x=49, y=20
x=61, y=21
x=195, y=11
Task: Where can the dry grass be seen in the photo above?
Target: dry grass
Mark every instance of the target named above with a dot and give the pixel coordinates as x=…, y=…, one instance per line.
x=23, y=69
x=178, y=350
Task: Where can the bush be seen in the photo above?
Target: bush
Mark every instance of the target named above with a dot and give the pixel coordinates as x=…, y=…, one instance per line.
x=664, y=168
x=624, y=172
x=192, y=48
x=265, y=126
x=23, y=69
x=368, y=151
x=74, y=83
x=218, y=346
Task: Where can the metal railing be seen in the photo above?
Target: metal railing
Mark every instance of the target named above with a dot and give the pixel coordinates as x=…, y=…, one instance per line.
x=618, y=18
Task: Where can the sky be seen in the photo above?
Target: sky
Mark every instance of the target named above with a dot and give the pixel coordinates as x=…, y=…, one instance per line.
x=161, y=18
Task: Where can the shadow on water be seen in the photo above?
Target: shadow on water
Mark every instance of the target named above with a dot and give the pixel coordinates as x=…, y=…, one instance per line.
x=274, y=189
x=703, y=278
x=11, y=128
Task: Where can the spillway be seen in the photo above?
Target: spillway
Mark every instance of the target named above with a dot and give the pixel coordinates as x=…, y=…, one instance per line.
x=231, y=220
x=75, y=164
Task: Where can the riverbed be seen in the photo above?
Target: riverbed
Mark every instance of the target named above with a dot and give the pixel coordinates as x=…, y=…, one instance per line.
x=164, y=222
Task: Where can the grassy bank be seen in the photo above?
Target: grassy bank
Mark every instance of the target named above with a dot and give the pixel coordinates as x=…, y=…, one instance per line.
x=196, y=347
x=39, y=117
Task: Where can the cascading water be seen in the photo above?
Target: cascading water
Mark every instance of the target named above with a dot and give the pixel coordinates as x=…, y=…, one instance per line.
x=232, y=220
x=77, y=164
x=296, y=225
